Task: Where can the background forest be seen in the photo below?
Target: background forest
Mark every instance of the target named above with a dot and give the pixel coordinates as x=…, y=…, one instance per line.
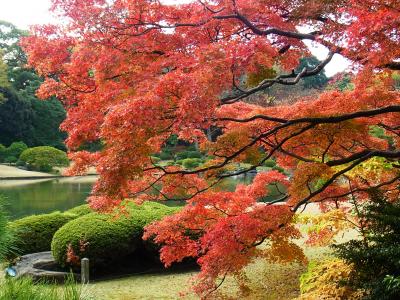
x=23, y=117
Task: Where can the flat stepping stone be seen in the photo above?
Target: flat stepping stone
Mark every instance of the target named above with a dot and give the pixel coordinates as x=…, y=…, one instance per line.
x=41, y=266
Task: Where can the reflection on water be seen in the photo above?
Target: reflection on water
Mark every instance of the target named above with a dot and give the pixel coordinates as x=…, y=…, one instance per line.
x=27, y=197
x=230, y=183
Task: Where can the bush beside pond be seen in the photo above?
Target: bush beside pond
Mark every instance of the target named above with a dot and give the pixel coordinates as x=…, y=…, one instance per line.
x=80, y=210
x=44, y=158
x=11, y=154
x=34, y=233
x=105, y=238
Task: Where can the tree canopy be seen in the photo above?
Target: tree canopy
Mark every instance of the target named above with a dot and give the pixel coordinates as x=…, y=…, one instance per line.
x=132, y=73
x=23, y=117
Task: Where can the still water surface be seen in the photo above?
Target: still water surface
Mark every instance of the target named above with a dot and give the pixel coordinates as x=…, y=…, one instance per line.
x=28, y=197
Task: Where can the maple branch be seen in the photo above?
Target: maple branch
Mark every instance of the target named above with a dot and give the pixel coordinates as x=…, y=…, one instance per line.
x=371, y=153
x=281, y=79
x=358, y=190
x=321, y=120
x=276, y=31
x=331, y=180
x=88, y=91
x=238, y=152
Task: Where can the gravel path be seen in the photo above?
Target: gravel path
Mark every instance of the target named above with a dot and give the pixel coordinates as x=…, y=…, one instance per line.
x=10, y=171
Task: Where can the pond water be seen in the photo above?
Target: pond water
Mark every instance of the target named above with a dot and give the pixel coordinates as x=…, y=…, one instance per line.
x=28, y=197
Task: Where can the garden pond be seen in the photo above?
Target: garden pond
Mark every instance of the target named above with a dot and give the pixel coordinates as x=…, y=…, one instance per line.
x=39, y=196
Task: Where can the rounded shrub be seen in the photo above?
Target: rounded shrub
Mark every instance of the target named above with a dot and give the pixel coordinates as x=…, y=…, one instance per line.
x=105, y=238
x=165, y=155
x=194, y=154
x=15, y=150
x=181, y=155
x=179, y=162
x=80, y=210
x=191, y=163
x=44, y=158
x=270, y=163
x=10, y=160
x=34, y=233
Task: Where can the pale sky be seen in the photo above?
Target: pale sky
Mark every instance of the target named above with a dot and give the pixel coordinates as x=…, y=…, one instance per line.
x=23, y=13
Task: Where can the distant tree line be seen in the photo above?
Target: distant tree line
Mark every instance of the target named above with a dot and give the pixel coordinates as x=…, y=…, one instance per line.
x=23, y=117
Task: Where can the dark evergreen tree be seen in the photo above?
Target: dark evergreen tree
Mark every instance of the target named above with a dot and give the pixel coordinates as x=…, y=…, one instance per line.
x=318, y=81
x=23, y=117
x=376, y=257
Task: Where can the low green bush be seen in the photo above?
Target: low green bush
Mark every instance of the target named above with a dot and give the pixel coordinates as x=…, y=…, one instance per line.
x=179, y=162
x=194, y=154
x=165, y=155
x=105, y=238
x=34, y=233
x=44, y=158
x=15, y=150
x=191, y=163
x=270, y=163
x=10, y=160
x=80, y=210
x=181, y=155
x=188, y=154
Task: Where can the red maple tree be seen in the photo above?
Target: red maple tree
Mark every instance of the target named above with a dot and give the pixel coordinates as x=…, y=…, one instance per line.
x=131, y=73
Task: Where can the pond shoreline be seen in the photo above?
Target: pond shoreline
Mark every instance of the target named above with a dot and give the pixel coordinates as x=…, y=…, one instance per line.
x=8, y=172
x=43, y=177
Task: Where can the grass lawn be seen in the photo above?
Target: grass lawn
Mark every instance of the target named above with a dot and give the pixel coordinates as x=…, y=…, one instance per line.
x=266, y=281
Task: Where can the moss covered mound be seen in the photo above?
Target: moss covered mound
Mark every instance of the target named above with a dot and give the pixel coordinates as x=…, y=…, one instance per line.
x=105, y=238
x=34, y=233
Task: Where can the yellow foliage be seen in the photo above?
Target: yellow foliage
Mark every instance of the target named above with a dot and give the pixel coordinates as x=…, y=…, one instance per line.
x=323, y=228
x=307, y=178
x=254, y=79
x=284, y=251
x=326, y=280
x=372, y=169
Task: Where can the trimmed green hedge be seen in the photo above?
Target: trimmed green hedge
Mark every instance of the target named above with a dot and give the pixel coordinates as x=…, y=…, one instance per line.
x=34, y=233
x=188, y=154
x=80, y=210
x=270, y=163
x=191, y=163
x=44, y=158
x=107, y=237
x=12, y=153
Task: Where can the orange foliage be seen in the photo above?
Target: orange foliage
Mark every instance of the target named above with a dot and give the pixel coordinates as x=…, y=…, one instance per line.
x=131, y=73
